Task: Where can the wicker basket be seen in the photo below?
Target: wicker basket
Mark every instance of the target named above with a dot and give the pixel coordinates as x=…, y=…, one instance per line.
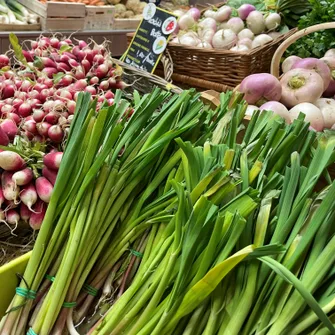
x=218, y=69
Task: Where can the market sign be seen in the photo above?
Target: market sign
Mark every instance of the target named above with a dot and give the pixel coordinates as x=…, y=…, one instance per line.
x=150, y=39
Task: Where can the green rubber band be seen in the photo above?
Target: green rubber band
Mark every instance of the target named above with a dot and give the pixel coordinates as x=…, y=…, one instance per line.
x=31, y=332
x=136, y=253
x=90, y=290
x=25, y=293
x=70, y=304
x=51, y=278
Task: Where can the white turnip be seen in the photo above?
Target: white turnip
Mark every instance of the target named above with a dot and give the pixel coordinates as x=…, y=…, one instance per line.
x=256, y=22
x=272, y=21
x=245, y=41
x=330, y=53
x=246, y=33
x=327, y=108
x=251, y=109
x=235, y=24
x=223, y=14
x=289, y=62
x=224, y=39
x=312, y=114
x=185, y=22
x=300, y=85
x=278, y=108
x=260, y=40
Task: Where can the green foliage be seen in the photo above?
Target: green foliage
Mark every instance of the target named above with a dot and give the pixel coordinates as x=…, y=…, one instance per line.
x=316, y=44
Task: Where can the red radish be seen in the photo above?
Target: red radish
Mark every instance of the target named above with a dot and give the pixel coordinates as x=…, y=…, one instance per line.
x=98, y=59
x=2, y=198
x=42, y=128
x=12, y=217
x=23, y=177
x=14, y=117
x=89, y=55
x=7, y=109
x=25, y=213
x=75, y=96
x=29, y=135
x=33, y=44
x=11, y=161
x=17, y=103
x=48, y=105
x=62, y=43
x=101, y=71
x=52, y=117
x=48, y=82
x=38, y=138
x=21, y=95
x=37, y=217
x=73, y=63
x=79, y=73
x=56, y=134
x=86, y=65
x=50, y=71
x=64, y=94
x=38, y=115
x=52, y=160
x=29, y=195
x=71, y=106
x=4, y=140
x=54, y=42
x=34, y=94
x=94, y=80
x=82, y=44
x=39, y=87
x=9, y=188
x=44, y=95
x=59, y=104
x=26, y=86
x=51, y=175
x=109, y=95
x=25, y=109
x=8, y=91
x=4, y=61
x=9, y=101
x=80, y=85
x=91, y=90
x=44, y=189
x=63, y=67
x=30, y=126
x=9, y=74
x=10, y=128
x=34, y=103
x=104, y=85
x=65, y=81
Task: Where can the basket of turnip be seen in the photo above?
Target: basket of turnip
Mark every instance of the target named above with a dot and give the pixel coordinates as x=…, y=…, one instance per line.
x=296, y=85
x=224, y=45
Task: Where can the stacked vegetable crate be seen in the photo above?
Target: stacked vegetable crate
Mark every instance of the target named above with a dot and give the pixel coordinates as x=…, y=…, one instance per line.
x=15, y=17
x=57, y=16
x=99, y=17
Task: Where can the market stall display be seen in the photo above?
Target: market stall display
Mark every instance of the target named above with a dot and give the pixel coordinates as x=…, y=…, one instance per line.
x=306, y=85
x=14, y=17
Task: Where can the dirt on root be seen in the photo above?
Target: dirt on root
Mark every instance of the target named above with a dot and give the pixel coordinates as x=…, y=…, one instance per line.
x=14, y=243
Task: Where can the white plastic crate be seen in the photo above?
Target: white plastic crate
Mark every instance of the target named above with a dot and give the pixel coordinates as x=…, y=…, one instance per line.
x=99, y=17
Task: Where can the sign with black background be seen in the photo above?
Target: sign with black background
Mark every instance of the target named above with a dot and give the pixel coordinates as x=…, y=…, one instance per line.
x=150, y=39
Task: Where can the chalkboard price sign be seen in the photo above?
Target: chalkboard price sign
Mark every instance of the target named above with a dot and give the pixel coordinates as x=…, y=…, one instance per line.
x=151, y=38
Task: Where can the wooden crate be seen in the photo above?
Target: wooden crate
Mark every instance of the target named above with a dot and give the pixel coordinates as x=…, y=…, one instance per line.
x=20, y=27
x=57, y=16
x=99, y=17
x=126, y=24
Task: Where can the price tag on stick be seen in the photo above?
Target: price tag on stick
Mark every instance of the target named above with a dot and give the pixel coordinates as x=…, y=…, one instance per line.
x=150, y=39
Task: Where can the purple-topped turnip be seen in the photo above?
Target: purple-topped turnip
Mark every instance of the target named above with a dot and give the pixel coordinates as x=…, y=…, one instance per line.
x=278, y=108
x=317, y=65
x=260, y=87
x=245, y=10
x=301, y=85
x=289, y=62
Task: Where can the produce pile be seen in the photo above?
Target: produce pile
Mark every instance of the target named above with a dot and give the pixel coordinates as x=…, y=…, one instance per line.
x=164, y=223
x=12, y=12
x=307, y=85
x=39, y=91
x=86, y=2
x=128, y=9
x=220, y=29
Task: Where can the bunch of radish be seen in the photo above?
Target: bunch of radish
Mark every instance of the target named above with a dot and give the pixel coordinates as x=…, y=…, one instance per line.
x=38, y=97
x=26, y=192
x=306, y=86
x=226, y=28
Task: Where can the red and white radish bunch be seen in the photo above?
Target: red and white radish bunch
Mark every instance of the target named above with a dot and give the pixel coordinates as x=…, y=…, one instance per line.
x=25, y=191
x=227, y=29
x=306, y=86
x=38, y=97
